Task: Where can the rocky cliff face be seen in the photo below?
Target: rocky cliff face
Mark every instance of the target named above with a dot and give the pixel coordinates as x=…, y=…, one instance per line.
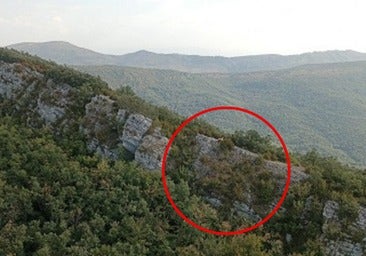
x=105, y=127
x=30, y=91
x=100, y=125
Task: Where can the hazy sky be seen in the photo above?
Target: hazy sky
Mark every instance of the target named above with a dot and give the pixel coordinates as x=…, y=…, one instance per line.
x=208, y=27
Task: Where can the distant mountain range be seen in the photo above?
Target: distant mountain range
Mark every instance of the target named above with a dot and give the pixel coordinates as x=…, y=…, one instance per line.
x=66, y=53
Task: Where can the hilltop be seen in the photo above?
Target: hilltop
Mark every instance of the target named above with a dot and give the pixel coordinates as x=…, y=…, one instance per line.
x=66, y=53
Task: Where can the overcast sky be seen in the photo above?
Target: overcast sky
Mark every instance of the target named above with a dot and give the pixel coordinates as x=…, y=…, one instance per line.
x=208, y=27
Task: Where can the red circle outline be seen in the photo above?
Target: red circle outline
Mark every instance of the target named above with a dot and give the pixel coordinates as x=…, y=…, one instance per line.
x=188, y=220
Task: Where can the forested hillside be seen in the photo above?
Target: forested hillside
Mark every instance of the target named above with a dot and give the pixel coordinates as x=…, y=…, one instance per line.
x=64, y=191
x=314, y=106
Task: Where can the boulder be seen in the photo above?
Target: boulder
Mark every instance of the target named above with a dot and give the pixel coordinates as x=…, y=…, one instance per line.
x=330, y=210
x=150, y=151
x=134, y=129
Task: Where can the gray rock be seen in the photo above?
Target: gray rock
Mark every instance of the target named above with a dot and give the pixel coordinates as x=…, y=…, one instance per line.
x=330, y=210
x=98, y=126
x=121, y=116
x=245, y=211
x=361, y=219
x=52, y=101
x=211, y=147
x=134, y=129
x=150, y=151
x=288, y=238
x=99, y=105
x=49, y=114
x=341, y=248
x=13, y=79
x=215, y=202
x=102, y=150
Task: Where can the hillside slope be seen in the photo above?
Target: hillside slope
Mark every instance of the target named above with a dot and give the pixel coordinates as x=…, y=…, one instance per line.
x=314, y=106
x=65, y=191
x=66, y=53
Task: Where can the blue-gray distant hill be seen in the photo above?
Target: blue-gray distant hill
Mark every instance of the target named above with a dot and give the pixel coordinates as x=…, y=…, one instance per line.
x=66, y=53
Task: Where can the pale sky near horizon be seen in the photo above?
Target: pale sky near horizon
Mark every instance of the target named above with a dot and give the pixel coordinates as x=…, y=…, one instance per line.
x=207, y=27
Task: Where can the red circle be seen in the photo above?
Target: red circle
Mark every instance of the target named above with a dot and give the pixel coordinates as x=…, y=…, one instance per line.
x=217, y=232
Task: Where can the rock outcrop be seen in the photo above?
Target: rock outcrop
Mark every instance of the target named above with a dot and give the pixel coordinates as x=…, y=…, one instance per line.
x=107, y=129
x=135, y=128
x=150, y=151
x=14, y=78
x=342, y=244
x=23, y=85
x=53, y=101
x=99, y=127
x=211, y=147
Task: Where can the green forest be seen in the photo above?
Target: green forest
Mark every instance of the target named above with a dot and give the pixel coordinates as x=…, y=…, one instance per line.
x=57, y=198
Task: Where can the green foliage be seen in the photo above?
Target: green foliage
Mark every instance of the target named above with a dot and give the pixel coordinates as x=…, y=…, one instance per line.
x=252, y=141
x=226, y=144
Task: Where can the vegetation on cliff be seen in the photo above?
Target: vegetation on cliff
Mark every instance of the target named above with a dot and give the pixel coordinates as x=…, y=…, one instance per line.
x=58, y=198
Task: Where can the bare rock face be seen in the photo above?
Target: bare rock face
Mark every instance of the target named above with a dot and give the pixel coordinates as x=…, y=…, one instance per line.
x=13, y=78
x=211, y=147
x=103, y=125
x=330, y=210
x=361, y=219
x=52, y=101
x=20, y=83
x=121, y=116
x=98, y=126
x=134, y=129
x=150, y=151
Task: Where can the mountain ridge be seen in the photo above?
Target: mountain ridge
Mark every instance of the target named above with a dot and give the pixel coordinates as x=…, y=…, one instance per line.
x=67, y=53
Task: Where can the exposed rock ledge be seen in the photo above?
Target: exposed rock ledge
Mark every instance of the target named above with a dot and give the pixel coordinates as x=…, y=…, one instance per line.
x=100, y=125
x=211, y=147
x=150, y=151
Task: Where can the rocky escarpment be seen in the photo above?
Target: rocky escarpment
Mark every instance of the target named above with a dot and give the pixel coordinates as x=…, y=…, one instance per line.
x=33, y=93
x=210, y=147
x=108, y=129
x=210, y=155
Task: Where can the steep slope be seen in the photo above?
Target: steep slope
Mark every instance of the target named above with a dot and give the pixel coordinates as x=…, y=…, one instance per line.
x=66, y=53
x=314, y=106
x=65, y=191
